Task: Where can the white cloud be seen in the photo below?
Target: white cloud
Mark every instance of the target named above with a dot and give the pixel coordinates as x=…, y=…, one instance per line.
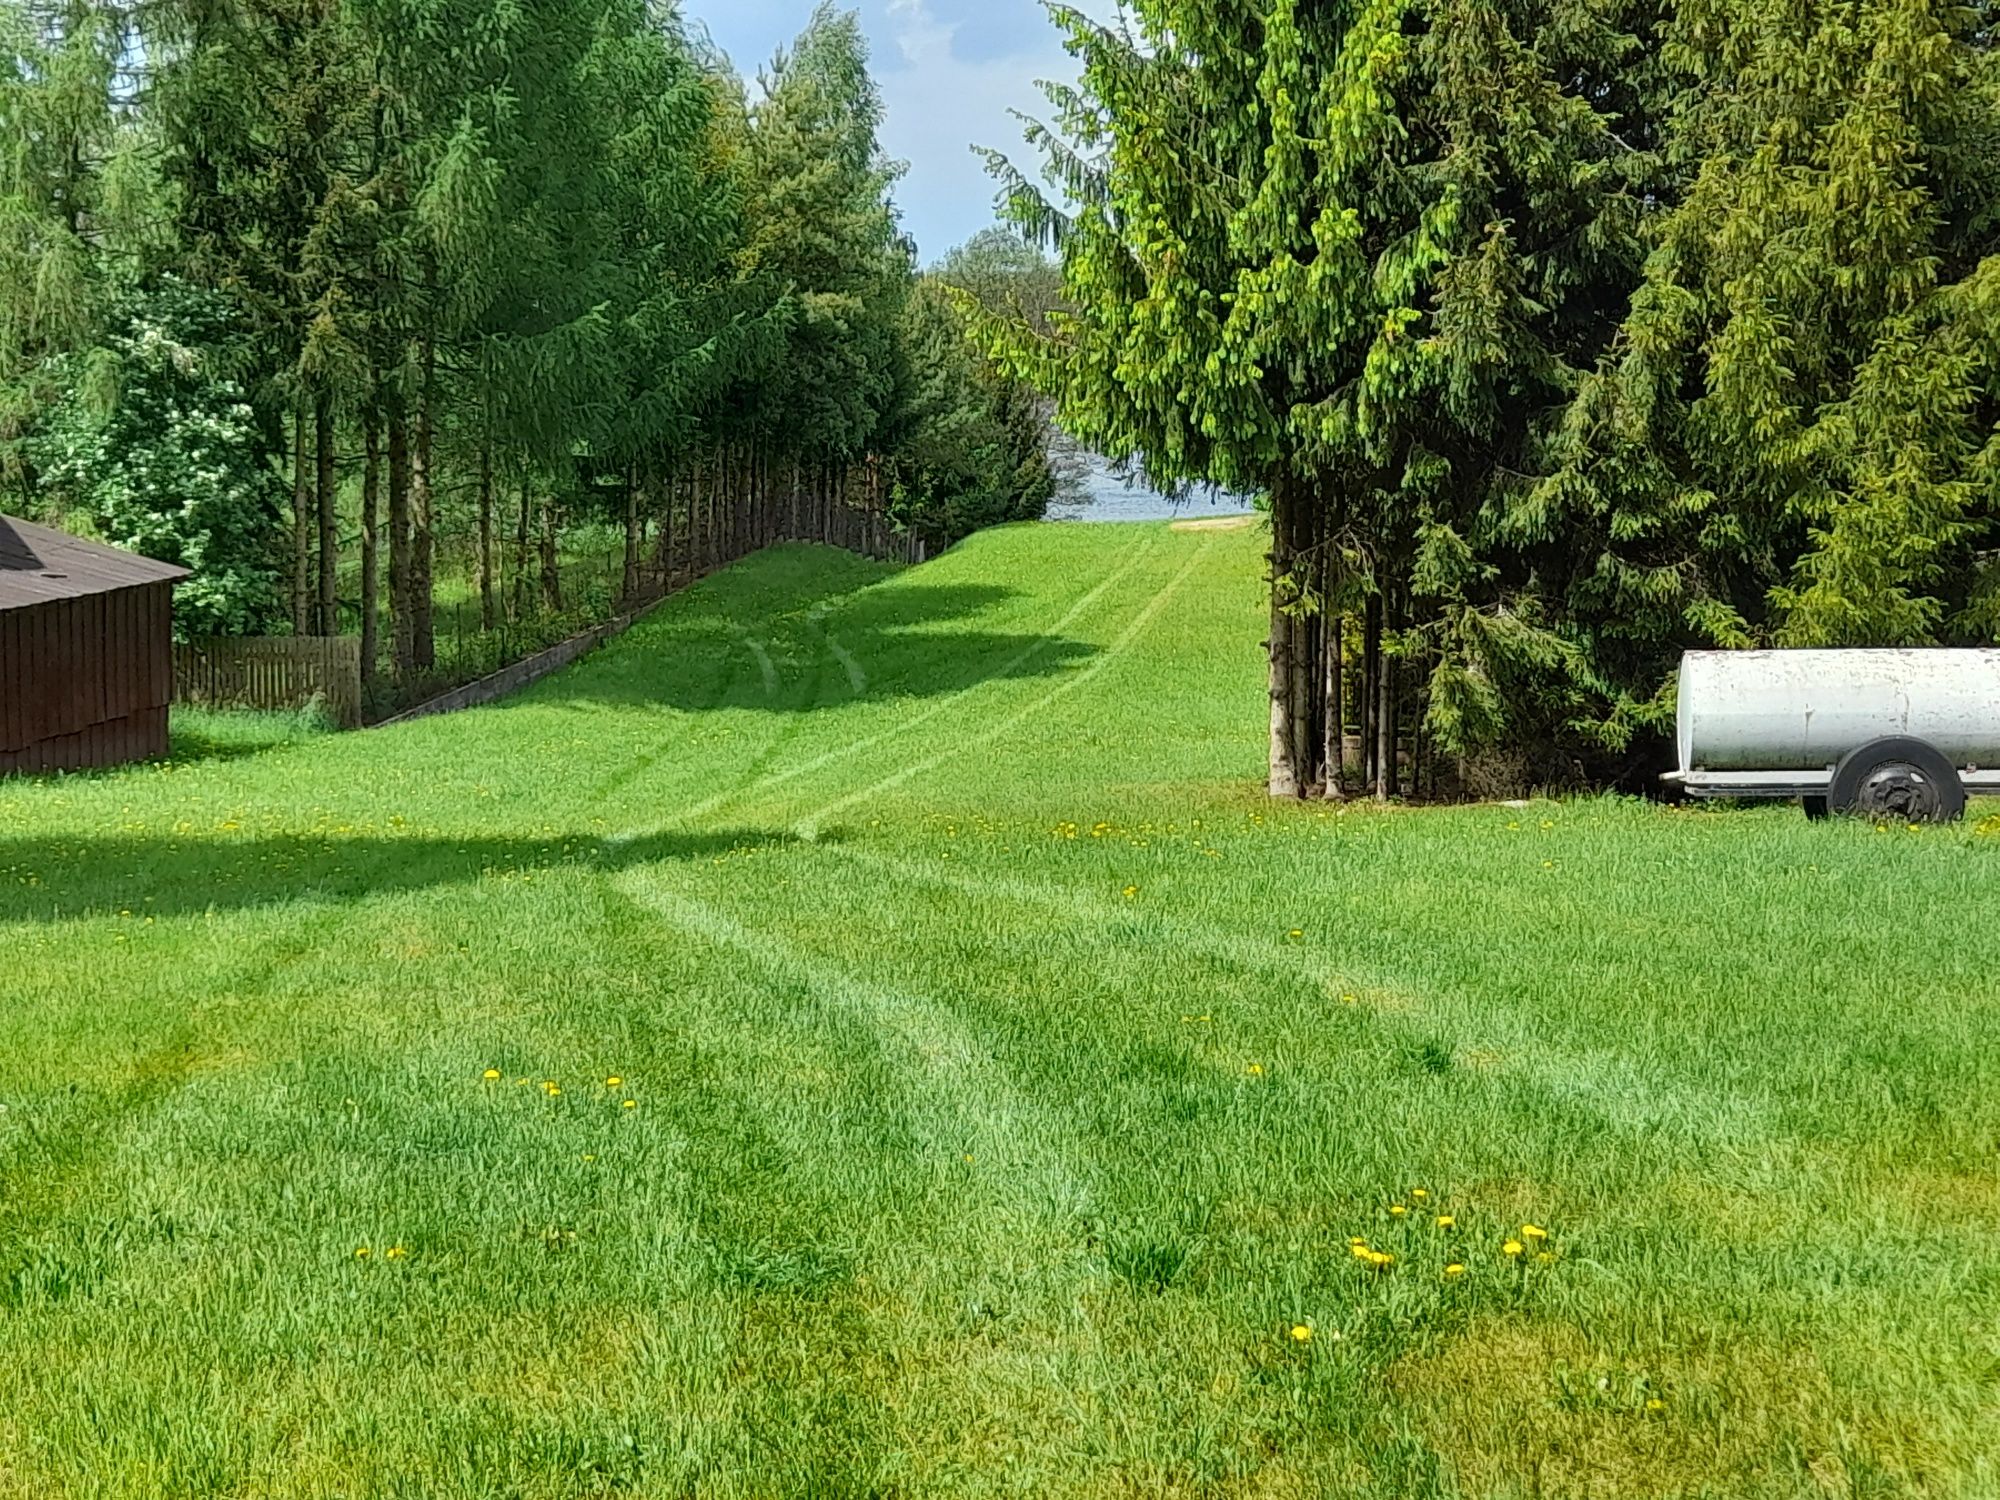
x=938, y=104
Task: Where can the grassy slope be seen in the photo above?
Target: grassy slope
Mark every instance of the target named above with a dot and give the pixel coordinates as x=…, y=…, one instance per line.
x=1008, y=1081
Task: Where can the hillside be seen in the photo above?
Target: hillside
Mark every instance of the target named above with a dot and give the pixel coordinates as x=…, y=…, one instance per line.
x=865, y=1033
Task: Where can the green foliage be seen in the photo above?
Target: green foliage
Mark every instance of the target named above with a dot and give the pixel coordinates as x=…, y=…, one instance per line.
x=1576, y=334
x=172, y=465
x=1791, y=441
x=971, y=443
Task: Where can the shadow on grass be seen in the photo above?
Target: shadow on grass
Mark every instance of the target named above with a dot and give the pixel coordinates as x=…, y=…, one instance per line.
x=52, y=880
x=798, y=649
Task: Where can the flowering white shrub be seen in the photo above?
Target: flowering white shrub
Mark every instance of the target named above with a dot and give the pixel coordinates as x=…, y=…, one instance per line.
x=166, y=456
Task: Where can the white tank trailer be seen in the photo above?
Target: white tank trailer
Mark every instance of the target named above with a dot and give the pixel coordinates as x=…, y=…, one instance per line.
x=1891, y=735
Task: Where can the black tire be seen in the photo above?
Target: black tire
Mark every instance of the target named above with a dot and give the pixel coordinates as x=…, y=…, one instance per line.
x=1897, y=780
x=1815, y=806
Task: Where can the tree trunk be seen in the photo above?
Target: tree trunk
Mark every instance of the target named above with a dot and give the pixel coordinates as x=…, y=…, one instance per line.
x=665, y=557
x=551, y=570
x=1286, y=779
x=423, y=521
x=371, y=500
x=1335, y=753
x=521, y=548
x=401, y=619
x=632, y=532
x=302, y=499
x=328, y=615
x=1370, y=698
x=1385, y=714
x=488, y=605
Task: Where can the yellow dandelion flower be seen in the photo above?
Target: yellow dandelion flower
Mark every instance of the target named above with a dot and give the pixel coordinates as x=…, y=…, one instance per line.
x=361, y=1252
x=490, y=1074
x=1255, y=1070
x=395, y=1252
x=630, y=1104
x=1349, y=999
x=1512, y=1247
x=1454, y=1271
x=1131, y=891
x=1446, y=1221
x=1656, y=1404
x=1420, y=1193
x=1360, y=1250
x=1301, y=1333
x=1396, y=1210
x=1380, y=1260
x=1533, y=1232
x=551, y=1090
x=1296, y=933
x=613, y=1081
x=1356, y=1240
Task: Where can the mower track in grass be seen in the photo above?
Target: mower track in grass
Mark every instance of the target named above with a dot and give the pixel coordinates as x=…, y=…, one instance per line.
x=1008, y=1134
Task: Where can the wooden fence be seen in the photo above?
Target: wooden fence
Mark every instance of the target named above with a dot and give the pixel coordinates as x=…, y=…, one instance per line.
x=272, y=672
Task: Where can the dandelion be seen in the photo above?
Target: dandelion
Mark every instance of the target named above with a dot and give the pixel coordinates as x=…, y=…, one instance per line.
x=1296, y=933
x=1301, y=1334
x=1131, y=891
x=1656, y=1404
x=1397, y=1211
x=1359, y=1250
x=395, y=1252
x=361, y=1252
x=1512, y=1247
x=1446, y=1221
x=1356, y=1240
x=490, y=1074
x=1420, y=1193
x=1453, y=1271
x=1533, y=1232
x=630, y=1104
x=551, y=1090
x=1255, y=1070
x=613, y=1081
x=1349, y=999
x=1380, y=1260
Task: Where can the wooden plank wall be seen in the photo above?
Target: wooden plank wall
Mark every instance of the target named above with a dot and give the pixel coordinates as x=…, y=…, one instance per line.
x=272, y=672
x=86, y=681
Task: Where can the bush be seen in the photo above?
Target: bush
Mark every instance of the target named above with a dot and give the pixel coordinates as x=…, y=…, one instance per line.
x=156, y=445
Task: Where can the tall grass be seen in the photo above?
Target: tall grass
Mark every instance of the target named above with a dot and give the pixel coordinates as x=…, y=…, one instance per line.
x=863, y=1033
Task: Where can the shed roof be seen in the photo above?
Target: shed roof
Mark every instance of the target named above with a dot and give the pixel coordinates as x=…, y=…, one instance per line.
x=39, y=564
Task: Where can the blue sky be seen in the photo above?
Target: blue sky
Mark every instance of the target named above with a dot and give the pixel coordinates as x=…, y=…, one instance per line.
x=949, y=69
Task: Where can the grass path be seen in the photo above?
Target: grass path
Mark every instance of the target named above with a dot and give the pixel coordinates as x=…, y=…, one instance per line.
x=924, y=1065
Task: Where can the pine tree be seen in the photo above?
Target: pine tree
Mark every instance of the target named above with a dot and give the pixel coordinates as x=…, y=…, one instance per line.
x=1350, y=257
x=1794, y=442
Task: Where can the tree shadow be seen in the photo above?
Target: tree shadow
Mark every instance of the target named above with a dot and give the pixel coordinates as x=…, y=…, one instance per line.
x=799, y=650
x=63, y=879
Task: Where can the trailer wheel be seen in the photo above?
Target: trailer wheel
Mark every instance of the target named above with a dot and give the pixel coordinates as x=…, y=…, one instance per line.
x=1897, y=780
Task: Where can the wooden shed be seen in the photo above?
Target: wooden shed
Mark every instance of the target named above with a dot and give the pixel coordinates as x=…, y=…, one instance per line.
x=86, y=651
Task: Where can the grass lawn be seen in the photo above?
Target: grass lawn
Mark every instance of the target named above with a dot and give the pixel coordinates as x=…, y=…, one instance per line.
x=864, y=1034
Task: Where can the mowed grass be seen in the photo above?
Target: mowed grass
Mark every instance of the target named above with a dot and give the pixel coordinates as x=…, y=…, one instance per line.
x=923, y=1065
